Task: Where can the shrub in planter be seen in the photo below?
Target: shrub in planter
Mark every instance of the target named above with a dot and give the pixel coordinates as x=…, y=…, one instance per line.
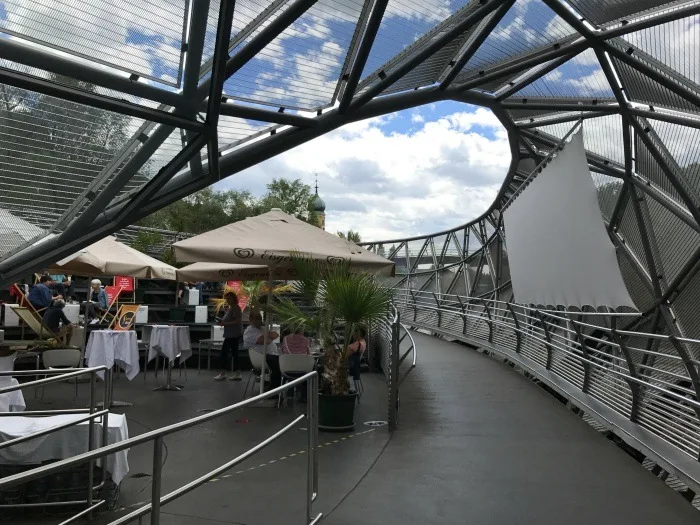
x=330, y=297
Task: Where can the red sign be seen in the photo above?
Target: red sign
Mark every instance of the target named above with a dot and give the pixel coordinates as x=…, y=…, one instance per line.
x=112, y=292
x=236, y=287
x=126, y=283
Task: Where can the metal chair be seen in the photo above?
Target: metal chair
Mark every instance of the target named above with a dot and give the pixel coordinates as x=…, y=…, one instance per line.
x=256, y=360
x=293, y=366
x=61, y=358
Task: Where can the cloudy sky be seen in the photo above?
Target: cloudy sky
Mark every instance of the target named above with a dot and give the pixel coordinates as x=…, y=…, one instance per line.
x=417, y=171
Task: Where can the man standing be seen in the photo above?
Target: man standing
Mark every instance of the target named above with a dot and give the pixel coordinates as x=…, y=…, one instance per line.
x=254, y=338
x=40, y=294
x=233, y=329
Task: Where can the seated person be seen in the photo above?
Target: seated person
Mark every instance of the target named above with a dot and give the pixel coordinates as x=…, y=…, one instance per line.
x=40, y=294
x=63, y=285
x=99, y=303
x=56, y=321
x=355, y=351
x=296, y=343
x=254, y=338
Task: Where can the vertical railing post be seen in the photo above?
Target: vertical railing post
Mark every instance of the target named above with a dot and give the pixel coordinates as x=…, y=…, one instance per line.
x=490, y=323
x=105, y=420
x=439, y=312
x=394, y=373
x=311, y=464
x=463, y=307
x=155, y=489
x=548, y=343
x=516, y=323
x=91, y=442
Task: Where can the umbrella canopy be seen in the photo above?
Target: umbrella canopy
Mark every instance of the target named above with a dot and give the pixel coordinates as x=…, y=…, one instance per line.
x=270, y=239
x=111, y=257
x=213, y=272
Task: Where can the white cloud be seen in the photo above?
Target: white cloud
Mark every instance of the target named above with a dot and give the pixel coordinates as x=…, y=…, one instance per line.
x=387, y=182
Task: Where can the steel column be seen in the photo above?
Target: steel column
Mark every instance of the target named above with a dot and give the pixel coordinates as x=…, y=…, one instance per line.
x=363, y=51
x=216, y=85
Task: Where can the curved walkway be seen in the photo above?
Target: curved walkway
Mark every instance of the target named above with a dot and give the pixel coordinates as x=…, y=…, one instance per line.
x=480, y=444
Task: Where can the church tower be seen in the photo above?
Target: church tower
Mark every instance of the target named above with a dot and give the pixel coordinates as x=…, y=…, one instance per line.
x=319, y=208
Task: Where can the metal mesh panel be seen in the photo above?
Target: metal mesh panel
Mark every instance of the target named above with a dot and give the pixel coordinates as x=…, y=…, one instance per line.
x=526, y=27
x=403, y=23
x=233, y=131
x=581, y=76
x=608, y=189
x=686, y=308
x=647, y=166
x=602, y=11
x=53, y=149
x=301, y=67
x=640, y=294
x=630, y=232
x=640, y=88
x=683, y=143
x=676, y=240
x=601, y=135
x=674, y=44
x=140, y=37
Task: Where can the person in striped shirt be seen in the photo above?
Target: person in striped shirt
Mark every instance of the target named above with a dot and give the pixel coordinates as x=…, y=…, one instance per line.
x=296, y=343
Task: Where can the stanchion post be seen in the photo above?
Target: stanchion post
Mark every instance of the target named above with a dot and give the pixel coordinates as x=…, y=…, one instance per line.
x=155, y=489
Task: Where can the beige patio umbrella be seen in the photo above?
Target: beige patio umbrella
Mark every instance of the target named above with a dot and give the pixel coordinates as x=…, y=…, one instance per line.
x=270, y=239
x=111, y=257
x=215, y=272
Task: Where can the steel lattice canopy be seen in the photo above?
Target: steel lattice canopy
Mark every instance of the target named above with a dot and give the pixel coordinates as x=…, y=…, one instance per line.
x=111, y=111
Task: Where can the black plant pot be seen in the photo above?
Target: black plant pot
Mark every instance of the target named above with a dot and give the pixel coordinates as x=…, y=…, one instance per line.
x=336, y=413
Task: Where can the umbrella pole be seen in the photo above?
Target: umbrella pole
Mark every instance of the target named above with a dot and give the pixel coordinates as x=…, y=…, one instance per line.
x=268, y=319
x=177, y=290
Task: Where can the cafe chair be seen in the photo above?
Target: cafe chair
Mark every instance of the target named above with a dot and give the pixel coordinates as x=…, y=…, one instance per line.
x=256, y=360
x=293, y=366
x=61, y=358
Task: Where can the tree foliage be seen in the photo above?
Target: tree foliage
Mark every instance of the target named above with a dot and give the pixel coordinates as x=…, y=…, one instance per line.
x=351, y=235
x=209, y=209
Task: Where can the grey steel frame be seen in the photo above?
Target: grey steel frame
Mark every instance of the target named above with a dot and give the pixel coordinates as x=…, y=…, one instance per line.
x=459, y=263
x=156, y=436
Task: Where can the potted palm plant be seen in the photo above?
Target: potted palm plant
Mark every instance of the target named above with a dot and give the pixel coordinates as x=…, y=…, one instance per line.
x=333, y=304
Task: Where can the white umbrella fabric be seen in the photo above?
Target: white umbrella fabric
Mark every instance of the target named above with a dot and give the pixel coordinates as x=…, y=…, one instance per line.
x=216, y=272
x=270, y=239
x=111, y=257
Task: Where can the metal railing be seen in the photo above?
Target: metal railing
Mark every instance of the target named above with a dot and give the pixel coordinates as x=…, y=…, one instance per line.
x=91, y=414
x=643, y=386
x=156, y=436
x=386, y=338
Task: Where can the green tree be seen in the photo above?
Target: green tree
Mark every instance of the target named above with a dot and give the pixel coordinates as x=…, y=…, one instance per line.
x=351, y=235
x=292, y=197
x=209, y=209
x=146, y=242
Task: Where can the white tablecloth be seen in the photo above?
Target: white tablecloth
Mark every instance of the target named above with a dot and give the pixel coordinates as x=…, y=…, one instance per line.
x=11, y=401
x=63, y=444
x=172, y=341
x=107, y=347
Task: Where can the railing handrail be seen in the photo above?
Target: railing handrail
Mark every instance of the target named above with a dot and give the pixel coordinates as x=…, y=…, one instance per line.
x=147, y=436
x=157, y=437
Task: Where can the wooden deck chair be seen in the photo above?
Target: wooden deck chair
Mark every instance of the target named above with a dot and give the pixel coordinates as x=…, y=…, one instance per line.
x=125, y=318
x=109, y=307
x=23, y=301
x=38, y=326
